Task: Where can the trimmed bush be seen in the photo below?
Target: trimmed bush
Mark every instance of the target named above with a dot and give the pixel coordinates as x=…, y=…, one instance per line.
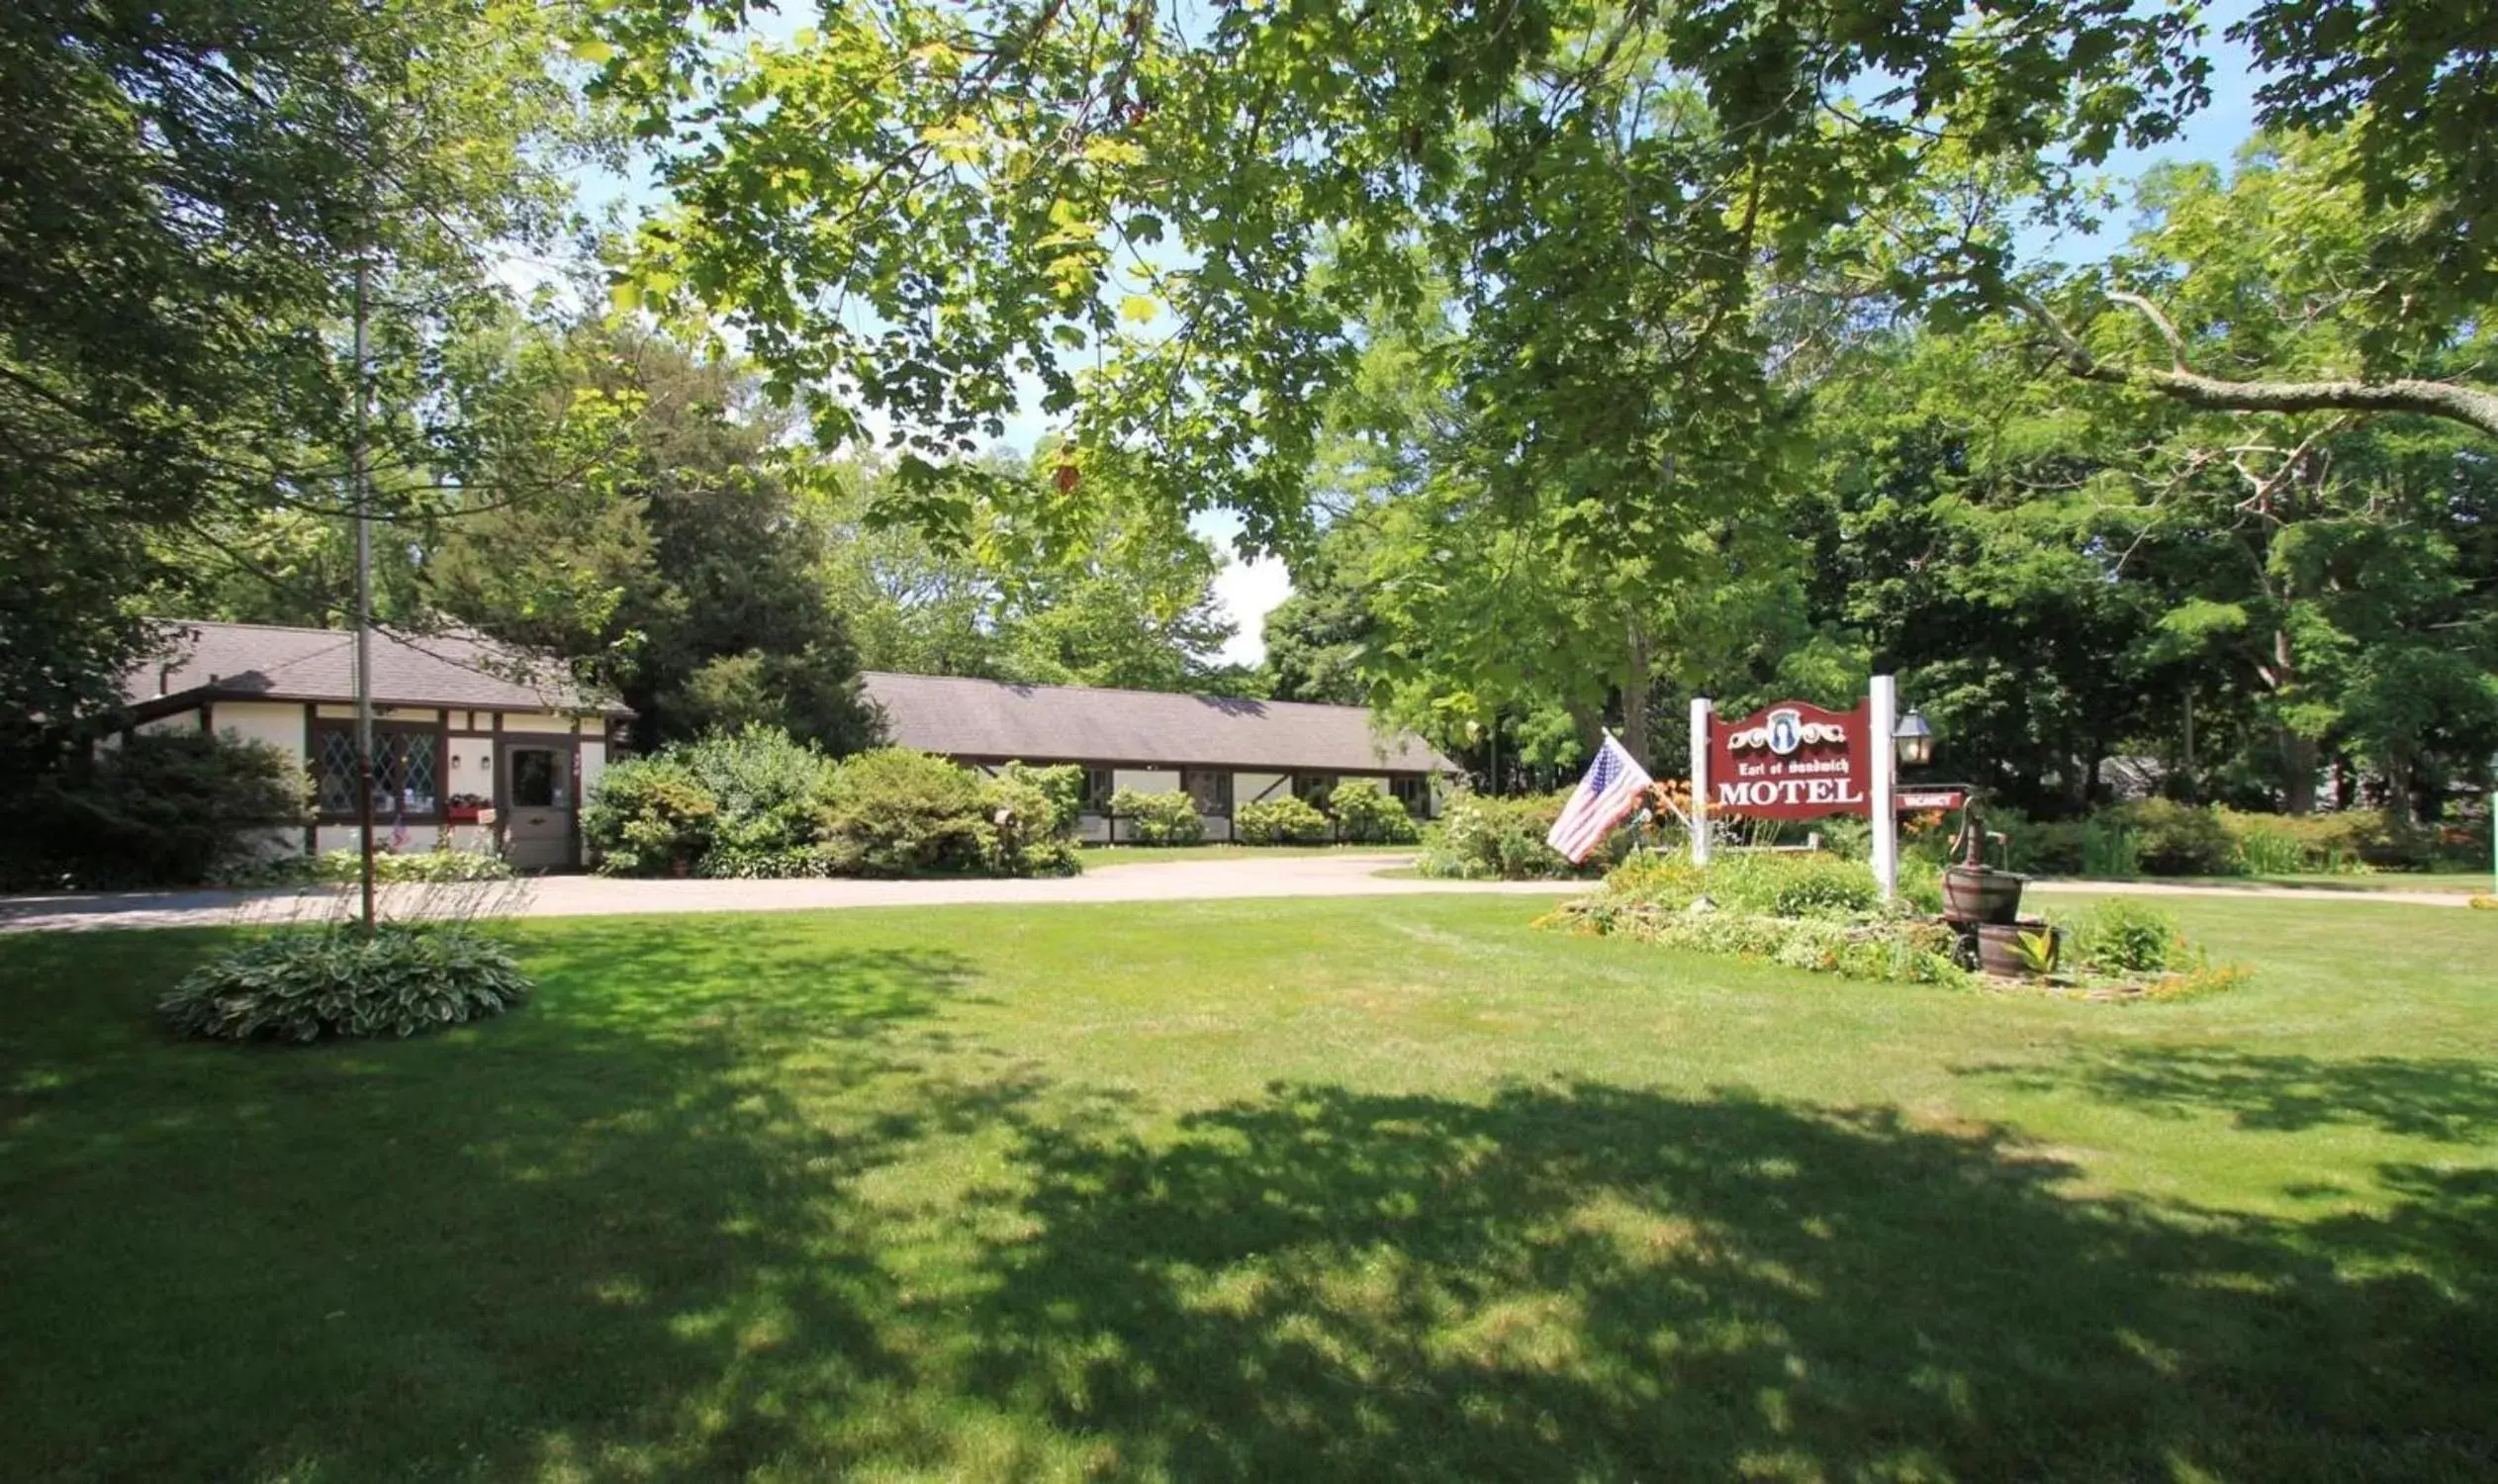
x=1157, y=818
x=1062, y=784
x=1368, y=814
x=2128, y=940
x=2175, y=839
x=334, y=982
x=1482, y=838
x=416, y=866
x=161, y=809
x=1029, y=829
x=735, y=864
x=893, y=812
x=1282, y=821
x=649, y=816
x=768, y=788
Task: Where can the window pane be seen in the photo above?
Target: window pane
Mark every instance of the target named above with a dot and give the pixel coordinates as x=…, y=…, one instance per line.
x=533, y=779
x=334, y=771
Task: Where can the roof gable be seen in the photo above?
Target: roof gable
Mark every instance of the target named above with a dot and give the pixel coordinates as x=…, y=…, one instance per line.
x=985, y=718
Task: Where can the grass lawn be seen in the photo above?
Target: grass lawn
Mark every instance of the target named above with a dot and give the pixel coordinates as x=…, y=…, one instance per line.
x=1370, y=1189
x=1097, y=856
x=2460, y=882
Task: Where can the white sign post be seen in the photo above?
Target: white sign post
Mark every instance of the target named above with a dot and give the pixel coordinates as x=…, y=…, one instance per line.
x=1884, y=760
x=1699, y=780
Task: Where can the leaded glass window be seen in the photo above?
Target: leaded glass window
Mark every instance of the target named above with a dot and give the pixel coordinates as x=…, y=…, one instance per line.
x=406, y=773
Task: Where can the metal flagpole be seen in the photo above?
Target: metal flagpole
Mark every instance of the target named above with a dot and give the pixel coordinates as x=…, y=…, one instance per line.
x=363, y=610
x=1879, y=751
x=1699, y=780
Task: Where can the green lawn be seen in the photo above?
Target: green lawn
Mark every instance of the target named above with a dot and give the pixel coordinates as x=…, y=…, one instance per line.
x=1097, y=856
x=2460, y=882
x=1368, y=1191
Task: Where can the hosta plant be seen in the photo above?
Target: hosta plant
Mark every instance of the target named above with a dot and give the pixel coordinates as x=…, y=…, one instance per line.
x=334, y=982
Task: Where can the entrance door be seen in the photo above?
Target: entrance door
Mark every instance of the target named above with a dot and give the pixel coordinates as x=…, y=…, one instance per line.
x=539, y=782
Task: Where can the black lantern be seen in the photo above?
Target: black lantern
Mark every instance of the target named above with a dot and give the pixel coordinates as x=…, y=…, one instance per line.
x=1913, y=740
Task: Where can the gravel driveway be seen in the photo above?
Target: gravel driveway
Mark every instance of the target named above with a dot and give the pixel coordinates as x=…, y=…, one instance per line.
x=597, y=897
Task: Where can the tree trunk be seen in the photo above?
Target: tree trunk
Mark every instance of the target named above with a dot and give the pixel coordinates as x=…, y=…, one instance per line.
x=1589, y=724
x=2298, y=773
x=1639, y=692
x=2399, y=809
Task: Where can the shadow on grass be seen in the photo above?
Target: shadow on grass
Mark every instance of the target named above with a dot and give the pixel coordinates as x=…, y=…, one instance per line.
x=2451, y=1100
x=1589, y=1283
x=612, y=1232
x=728, y=1202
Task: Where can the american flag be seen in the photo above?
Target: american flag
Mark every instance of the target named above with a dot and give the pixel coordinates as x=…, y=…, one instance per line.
x=1603, y=796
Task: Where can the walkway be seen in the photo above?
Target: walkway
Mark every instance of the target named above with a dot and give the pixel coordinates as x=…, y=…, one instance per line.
x=599, y=896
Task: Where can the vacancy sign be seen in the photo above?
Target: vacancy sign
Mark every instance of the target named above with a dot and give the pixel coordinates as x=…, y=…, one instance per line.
x=1792, y=761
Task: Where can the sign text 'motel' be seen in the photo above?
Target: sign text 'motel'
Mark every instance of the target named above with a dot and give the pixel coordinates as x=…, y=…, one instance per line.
x=1792, y=761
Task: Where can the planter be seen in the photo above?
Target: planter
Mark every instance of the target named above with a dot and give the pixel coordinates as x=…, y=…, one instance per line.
x=2000, y=949
x=462, y=813
x=1979, y=893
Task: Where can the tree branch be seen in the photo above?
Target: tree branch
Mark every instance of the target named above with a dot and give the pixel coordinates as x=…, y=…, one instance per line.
x=2453, y=401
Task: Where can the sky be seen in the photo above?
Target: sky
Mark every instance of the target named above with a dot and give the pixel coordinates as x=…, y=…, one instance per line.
x=1247, y=590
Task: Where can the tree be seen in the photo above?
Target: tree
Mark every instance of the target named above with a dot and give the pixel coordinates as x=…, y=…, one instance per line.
x=1111, y=594
x=658, y=541
x=909, y=207
x=184, y=195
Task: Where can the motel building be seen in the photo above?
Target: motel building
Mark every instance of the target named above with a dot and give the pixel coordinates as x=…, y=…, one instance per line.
x=1223, y=752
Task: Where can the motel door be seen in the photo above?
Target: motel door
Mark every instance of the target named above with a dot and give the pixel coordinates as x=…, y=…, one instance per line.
x=538, y=802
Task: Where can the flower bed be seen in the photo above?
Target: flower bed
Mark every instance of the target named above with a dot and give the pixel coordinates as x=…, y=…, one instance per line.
x=1827, y=916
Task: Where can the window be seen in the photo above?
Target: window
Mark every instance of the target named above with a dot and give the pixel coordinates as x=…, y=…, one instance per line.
x=1314, y=789
x=405, y=772
x=1413, y=790
x=1099, y=785
x=539, y=779
x=1209, y=789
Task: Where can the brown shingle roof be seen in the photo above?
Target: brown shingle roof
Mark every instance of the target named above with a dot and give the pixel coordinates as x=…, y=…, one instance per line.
x=995, y=719
x=242, y=661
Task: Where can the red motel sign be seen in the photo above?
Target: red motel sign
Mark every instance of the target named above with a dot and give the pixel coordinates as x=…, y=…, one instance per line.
x=1792, y=761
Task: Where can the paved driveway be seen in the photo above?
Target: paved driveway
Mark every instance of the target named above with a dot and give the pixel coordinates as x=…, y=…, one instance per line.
x=594, y=896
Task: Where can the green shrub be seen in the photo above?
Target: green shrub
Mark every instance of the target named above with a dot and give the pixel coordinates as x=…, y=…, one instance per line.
x=161, y=809
x=2128, y=940
x=1280, y=821
x=1899, y=950
x=893, y=812
x=1482, y=838
x=337, y=983
x=1367, y=814
x=2176, y=839
x=1756, y=884
x=1029, y=829
x=768, y=787
x=2346, y=840
x=1062, y=784
x=740, y=863
x=649, y=816
x=415, y=865
x=2110, y=851
x=1156, y=818
x=2265, y=852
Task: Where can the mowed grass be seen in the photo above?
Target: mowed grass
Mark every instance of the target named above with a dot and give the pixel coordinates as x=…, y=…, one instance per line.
x=1370, y=1189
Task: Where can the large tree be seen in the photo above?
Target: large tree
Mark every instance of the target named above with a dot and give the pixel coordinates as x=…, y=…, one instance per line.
x=186, y=193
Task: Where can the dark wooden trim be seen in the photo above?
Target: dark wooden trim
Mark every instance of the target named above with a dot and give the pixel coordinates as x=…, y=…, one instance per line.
x=311, y=774
x=207, y=723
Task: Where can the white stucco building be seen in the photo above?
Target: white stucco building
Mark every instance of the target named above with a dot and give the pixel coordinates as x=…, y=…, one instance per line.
x=491, y=743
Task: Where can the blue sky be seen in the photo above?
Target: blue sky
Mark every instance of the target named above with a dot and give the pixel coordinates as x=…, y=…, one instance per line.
x=1248, y=590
